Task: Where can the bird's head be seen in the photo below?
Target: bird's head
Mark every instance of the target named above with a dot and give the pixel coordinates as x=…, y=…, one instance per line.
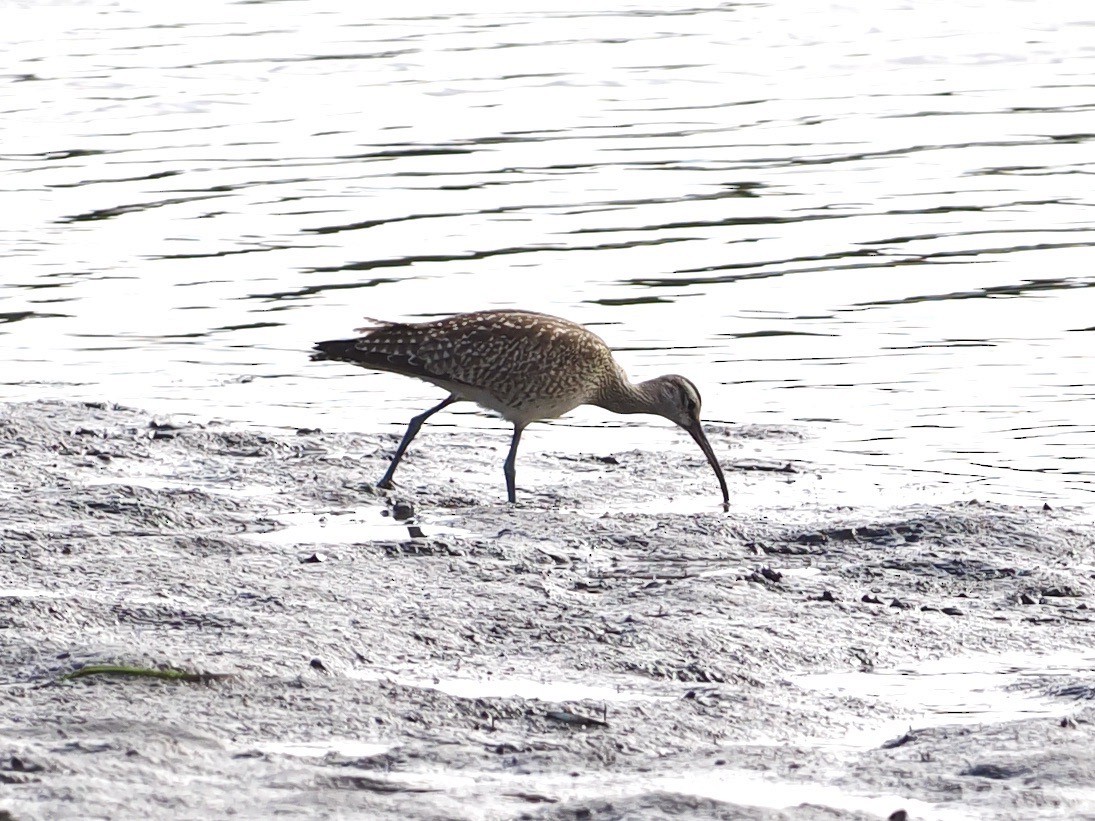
x=678, y=400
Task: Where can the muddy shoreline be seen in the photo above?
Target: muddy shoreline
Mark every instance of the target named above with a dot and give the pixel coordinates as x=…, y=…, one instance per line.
x=599, y=651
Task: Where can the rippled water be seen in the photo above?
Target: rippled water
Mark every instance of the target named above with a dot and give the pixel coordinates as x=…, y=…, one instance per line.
x=871, y=221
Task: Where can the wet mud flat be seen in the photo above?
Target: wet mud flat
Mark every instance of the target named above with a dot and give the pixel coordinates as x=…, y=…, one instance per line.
x=605, y=649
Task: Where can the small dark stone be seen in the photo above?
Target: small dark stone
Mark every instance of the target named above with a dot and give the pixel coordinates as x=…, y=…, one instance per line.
x=21, y=765
x=315, y=558
x=307, y=431
x=1058, y=592
x=826, y=596
x=1046, y=506
x=900, y=741
x=869, y=599
x=1027, y=599
x=952, y=611
x=898, y=815
x=316, y=664
x=771, y=575
x=900, y=605
x=154, y=425
x=402, y=511
x=997, y=772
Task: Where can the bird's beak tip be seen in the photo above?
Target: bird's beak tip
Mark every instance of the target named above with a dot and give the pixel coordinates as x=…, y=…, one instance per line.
x=696, y=430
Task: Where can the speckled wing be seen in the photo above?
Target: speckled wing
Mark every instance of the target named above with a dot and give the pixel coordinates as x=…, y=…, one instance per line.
x=519, y=363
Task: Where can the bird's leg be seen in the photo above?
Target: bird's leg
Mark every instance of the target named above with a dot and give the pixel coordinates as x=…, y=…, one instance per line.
x=510, y=466
x=412, y=431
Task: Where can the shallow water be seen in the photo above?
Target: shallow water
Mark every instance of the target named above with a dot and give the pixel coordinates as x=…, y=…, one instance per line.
x=348, y=747
x=973, y=689
x=735, y=787
x=870, y=221
x=343, y=527
x=514, y=685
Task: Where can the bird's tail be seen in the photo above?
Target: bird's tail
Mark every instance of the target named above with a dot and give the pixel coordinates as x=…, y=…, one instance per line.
x=338, y=349
x=349, y=350
x=377, y=348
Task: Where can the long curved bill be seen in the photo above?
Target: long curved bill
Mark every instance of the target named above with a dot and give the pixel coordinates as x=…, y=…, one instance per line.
x=701, y=439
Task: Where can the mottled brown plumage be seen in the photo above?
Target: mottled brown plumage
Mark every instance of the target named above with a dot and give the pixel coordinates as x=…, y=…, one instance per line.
x=525, y=366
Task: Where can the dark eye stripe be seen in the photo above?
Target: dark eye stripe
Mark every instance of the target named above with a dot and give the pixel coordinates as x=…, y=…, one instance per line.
x=687, y=402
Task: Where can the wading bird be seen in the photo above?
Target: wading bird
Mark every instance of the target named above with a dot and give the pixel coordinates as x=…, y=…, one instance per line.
x=522, y=365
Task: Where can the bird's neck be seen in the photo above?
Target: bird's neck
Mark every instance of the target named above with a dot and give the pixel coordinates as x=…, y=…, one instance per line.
x=624, y=396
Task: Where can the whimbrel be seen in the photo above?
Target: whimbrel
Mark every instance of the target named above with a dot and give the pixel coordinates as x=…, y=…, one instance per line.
x=522, y=365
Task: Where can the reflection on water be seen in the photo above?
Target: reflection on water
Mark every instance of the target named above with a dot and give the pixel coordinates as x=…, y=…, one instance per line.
x=872, y=221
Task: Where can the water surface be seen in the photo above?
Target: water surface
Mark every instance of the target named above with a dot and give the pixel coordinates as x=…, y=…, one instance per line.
x=871, y=222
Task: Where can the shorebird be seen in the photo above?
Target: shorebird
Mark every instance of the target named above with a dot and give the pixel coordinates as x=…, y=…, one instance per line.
x=522, y=365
